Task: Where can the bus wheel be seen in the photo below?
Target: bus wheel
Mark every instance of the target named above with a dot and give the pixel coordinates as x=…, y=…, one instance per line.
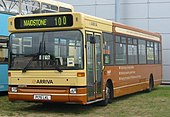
x=107, y=96
x=151, y=84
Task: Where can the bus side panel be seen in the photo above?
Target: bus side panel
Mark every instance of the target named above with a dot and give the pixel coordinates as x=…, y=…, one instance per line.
x=3, y=77
x=132, y=78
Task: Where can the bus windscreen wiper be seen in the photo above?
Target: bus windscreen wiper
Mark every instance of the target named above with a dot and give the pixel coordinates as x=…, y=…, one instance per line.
x=58, y=69
x=30, y=61
x=56, y=64
x=33, y=57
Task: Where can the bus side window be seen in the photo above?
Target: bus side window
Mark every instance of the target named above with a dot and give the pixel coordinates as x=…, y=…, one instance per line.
x=142, y=51
x=108, y=53
x=150, y=52
x=156, y=49
x=30, y=7
x=132, y=51
x=62, y=9
x=160, y=54
x=48, y=8
x=4, y=50
x=121, y=53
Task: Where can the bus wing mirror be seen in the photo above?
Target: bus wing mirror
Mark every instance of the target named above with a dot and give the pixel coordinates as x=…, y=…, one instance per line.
x=92, y=40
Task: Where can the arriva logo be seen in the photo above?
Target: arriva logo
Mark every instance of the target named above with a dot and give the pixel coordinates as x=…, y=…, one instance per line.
x=44, y=81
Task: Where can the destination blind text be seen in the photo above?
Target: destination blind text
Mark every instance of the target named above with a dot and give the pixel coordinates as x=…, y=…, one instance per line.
x=35, y=22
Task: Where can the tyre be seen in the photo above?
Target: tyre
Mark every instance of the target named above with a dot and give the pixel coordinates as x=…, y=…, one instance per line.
x=108, y=96
x=151, y=85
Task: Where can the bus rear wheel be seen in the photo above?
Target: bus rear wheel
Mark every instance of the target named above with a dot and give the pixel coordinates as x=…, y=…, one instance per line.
x=151, y=84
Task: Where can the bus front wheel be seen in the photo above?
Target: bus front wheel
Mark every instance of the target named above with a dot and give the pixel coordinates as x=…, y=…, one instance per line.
x=108, y=96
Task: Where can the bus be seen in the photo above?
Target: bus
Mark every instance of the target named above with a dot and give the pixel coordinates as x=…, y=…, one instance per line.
x=44, y=6
x=4, y=51
x=34, y=6
x=77, y=58
x=3, y=64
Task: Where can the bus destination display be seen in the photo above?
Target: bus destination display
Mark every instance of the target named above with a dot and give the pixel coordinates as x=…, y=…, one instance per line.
x=44, y=21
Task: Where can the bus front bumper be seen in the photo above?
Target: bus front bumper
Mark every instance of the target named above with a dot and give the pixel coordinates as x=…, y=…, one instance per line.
x=49, y=95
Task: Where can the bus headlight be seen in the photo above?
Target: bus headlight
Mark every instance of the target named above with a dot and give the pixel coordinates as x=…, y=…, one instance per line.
x=73, y=90
x=14, y=89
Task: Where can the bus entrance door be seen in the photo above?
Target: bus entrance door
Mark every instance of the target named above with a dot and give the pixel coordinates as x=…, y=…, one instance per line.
x=94, y=65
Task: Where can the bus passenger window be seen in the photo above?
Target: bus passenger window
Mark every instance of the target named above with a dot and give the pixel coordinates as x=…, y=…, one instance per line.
x=150, y=52
x=3, y=55
x=62, y=9
x=108, y=49
x=142, y=51
x=132, y=51
x=30, y=7
x=3, y=50
x=156, y=48
x=121, y=54
x=47, y=8
x=160, y=57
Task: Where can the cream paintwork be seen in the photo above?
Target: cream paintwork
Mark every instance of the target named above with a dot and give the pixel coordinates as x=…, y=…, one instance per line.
x=78, y=23
x=65, y=78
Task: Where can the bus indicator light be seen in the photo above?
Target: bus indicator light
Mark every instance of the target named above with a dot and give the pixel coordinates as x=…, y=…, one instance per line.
x=80, y=74
x=9, y=74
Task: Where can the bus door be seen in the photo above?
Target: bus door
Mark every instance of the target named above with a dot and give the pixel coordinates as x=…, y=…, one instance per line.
x=94, y=65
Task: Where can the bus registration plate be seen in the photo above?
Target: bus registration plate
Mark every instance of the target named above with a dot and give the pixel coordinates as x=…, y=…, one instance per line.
x=42, y=97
